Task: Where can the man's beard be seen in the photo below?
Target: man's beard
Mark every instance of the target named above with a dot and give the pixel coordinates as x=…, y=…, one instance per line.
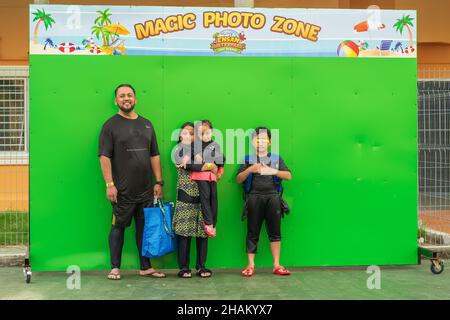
x=131, y=108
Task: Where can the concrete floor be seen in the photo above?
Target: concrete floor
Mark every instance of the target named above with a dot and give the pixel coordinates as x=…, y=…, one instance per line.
x=12, y=256
x=405, y=282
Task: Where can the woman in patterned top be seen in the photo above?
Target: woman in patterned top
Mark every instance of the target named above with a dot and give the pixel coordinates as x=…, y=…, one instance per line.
x=188, y=218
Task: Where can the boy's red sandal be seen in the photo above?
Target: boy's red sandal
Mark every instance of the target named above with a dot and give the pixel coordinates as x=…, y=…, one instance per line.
x=281, y=271
x=248, y=272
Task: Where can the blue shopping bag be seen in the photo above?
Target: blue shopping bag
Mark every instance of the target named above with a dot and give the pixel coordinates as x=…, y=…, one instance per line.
x=158, y=239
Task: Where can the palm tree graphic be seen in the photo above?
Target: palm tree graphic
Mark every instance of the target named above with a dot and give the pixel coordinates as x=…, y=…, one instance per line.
x=405, y=21
x=40, y=16
x=99, y=28
x=103, y=18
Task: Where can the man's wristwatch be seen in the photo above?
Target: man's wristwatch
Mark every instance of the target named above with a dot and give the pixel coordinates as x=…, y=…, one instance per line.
x=109, y=184
x=161, y=183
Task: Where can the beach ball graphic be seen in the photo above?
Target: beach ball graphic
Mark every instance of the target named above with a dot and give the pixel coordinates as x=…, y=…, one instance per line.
x=347, y=49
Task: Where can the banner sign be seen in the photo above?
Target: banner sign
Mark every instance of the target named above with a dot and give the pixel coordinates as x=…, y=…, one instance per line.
x=125, y=30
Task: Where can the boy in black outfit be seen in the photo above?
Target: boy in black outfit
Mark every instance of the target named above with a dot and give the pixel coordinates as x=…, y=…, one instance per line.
x=262, y=174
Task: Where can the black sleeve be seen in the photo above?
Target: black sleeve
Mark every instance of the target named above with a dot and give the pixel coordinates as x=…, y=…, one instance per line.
x=219, y=158
x=180, y=152
x=194, y=167
x=105, y=142
x=243, y=167
x=177, y=154
x=282, y=165
x=154, y=150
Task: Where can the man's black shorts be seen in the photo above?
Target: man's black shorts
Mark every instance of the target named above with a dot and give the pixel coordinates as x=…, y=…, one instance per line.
x=123, y=212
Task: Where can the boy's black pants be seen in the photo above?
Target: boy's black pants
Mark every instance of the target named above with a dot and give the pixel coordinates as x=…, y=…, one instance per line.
x=208, y=200
x=263, y=207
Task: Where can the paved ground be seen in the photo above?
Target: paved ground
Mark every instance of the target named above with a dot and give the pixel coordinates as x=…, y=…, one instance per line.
x=12, y=256
x=405, y=282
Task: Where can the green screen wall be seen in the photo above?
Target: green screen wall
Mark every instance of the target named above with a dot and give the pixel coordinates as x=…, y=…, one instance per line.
x=348, y=132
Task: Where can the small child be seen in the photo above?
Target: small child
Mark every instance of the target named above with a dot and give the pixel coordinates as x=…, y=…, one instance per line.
x=262, y=174
x=206, y=170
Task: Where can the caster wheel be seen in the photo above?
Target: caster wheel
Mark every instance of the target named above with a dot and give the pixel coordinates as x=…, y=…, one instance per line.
x=437, y=266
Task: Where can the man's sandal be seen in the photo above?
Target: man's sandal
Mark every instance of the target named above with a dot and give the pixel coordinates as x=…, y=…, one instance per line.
x=248, y=271
x=281, y=271
x=114, y=275
x=154, y=274
x=204, y=273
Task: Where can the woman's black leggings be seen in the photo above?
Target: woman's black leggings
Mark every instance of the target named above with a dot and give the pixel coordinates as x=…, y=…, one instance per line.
x=184, y=249
x=263, y=207
x=116, y=237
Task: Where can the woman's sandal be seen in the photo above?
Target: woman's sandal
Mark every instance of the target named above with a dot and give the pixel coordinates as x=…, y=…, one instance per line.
x=248, y=271
x=185, y=274
x=114, y=275
x=281, y=271
x=204, y=273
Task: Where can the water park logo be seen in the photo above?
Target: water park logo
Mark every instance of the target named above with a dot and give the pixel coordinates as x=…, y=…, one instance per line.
x=228, y=40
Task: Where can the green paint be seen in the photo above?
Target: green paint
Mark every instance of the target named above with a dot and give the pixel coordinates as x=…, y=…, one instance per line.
x=348, y=131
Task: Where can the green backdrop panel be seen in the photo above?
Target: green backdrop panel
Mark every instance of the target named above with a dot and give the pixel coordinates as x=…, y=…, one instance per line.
x=348, y=132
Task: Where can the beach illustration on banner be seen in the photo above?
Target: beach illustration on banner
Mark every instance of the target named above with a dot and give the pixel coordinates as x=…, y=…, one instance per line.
x=387, y=47
x=105, y=37
x=128, y=30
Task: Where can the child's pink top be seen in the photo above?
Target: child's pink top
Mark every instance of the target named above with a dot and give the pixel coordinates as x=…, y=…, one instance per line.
x=205, y=175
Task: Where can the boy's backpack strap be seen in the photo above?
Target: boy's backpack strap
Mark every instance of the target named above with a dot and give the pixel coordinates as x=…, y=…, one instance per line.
x=248, y=181
x=275, y=159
